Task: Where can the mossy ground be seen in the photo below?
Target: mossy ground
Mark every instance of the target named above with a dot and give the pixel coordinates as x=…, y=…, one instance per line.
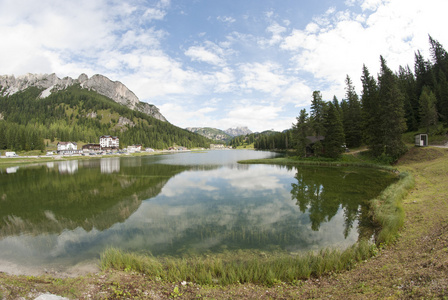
x=415, y=266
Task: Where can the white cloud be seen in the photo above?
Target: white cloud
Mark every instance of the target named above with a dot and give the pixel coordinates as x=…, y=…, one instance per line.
x=226, y=19
x=210, y=53
x=265, y=77
x=298, y=93
x=154, y=14
x=256, y=116
x=223, y=81
x=276, y=35
x=373, y=4
x=206, y=110
x=257, y=112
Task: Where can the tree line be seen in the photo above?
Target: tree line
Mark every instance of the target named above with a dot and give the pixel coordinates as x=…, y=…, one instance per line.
x=389, y=105
x=26, y=120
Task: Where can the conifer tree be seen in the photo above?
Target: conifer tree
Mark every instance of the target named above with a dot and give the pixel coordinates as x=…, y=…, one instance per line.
x=300, y=130
x=442, y=96
x=352, y=119
x=424, y=75
x=370, y=112
x=334, y=138
x=317, y=112
x=428, y=110
x=440, y=70
x=439, y=56
x=391, y=109
x=337, y=106
x=407, y=85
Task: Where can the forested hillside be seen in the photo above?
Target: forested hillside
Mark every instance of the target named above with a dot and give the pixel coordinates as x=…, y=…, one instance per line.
x=77, y=114
x=259, y=139
x=391, y=104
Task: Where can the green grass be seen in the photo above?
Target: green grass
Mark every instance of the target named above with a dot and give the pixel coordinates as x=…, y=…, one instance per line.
x=388, y=210
x=239, y=266
x=246, y=147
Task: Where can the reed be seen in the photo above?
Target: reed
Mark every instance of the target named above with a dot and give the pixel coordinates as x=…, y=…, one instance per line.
x=240, y=266
x=387, y=208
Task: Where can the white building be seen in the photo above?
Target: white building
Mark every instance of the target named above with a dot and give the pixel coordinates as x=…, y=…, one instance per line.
x=67, y=148
x=111, y=142
x=134, y=148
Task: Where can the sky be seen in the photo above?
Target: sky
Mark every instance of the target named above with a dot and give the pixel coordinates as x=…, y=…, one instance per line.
x=220, y=63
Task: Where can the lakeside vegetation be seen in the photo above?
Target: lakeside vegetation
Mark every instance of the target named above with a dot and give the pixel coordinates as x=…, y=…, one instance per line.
x=239, y=267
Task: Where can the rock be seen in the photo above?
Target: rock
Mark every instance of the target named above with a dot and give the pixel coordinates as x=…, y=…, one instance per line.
x=114, y=90
x=82, y=78
x=50, y=297
x=238, y=131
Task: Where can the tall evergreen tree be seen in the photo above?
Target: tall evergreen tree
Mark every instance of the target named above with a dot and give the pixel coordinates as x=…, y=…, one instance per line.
x=407, y=84
x=371, y=112
x=440, y=70
x=300, y=131
x=317, y=112
x=424, y=75
x=428, y=110
x=442, y=96
x=439, y=56
x=393, y=123
x=352, y=119
x=334, y=138
x=337, y=106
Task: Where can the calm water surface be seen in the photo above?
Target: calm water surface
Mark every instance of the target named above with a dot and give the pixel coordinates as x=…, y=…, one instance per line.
x=63, y=213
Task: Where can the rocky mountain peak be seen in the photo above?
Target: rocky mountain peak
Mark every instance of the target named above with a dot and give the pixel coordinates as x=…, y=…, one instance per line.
x=114, y=90
x=238, y=131
x=111, y=89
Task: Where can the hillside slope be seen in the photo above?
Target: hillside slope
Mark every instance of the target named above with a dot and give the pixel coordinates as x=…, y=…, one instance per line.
x=79, y=114
x=211, y=133
x=50, y=83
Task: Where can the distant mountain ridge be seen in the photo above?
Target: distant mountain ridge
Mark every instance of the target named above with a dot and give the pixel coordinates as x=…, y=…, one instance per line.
x=114, y=90
x=238, y=131
x=211, y=133
x=218, y=134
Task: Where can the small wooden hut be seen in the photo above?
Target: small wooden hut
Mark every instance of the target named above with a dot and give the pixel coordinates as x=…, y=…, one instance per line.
x=421, y=140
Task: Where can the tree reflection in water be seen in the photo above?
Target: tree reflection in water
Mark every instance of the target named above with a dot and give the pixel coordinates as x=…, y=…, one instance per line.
x=322, y=191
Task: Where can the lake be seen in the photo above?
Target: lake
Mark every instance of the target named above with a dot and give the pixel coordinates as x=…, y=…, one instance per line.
x=60, y=214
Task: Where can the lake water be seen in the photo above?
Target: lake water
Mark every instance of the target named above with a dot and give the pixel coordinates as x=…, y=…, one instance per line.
x=63, y=213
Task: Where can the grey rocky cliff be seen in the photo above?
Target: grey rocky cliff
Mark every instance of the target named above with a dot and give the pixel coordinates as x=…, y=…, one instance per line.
x=238, y=131
x=114, y=90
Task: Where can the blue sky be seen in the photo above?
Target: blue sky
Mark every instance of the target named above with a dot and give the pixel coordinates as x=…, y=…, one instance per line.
x=219, y=63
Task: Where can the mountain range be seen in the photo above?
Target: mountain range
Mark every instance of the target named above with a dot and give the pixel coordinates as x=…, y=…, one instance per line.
x=218, y=134
x=17, y=103
x=50, y=83
x=37, y=111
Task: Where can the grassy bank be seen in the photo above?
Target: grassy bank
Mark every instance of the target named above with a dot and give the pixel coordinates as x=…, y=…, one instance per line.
x=387, y=209
x=239, y=267
x=355, y=159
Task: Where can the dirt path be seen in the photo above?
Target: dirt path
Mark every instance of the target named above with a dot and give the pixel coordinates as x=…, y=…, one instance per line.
x=416, y=266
